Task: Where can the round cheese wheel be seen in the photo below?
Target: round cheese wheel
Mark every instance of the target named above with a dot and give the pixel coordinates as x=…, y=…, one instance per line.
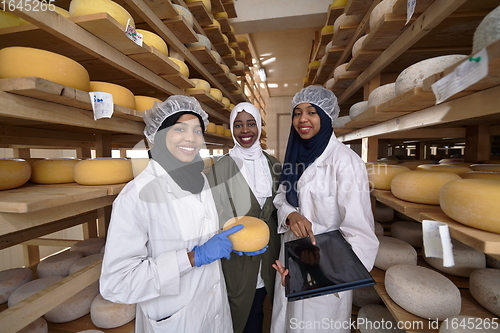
x=221, y=15
x=421, y=186
x=327, y=29
x=238, y=91
x=338, y=3
x=341, y=71
x=340, y=122
x=458, y=169
x=374, y=318
x=200, y=85
x=414, y=75
x=481, y=175
x=62, y=11
x=58, y=264
x=393, y=251
x=225, y=69
x=31, y=288
x=53, y=171
x=13, y=173
x=11, y=279
x=484, y=286
x=227, y=132
x=384, y=7
x=381, y=175
x=383, y=213
x=358, y=108
x=183, y=68
x=106, y=314
x=17, y=61
x=89, y=246
x=410, y=232
x=84, y=262
x=346, y=20
x=153, y=40
x=487, y=32
x=143, y=103
x=232, y=77
x=217, y=56
x=358, y=45
x=185, y=14
x=473, y=202
x=467, y=259
x=450, y=160
x=121, y=95
x=211, y=128
x=220, y=130
x=364, y=296
x=314, y=64
x=37, y=326
x=412, y=165
x=216, y=93
x=103, y=171
x=225, y=38
x=379, y=229
x=423, y=292
x=467, y=324
x=214, y=23
x=87, y=7
x=492, y=262
x=138, y=165
x=486, y=167
x=226, y=102
x=253, y=237
x=206, y=3
x=382, y=94
x=202, y=41
x=8, y=20
x=75, y=307
x=330, y=83
x=239, y=66
x=242, y=39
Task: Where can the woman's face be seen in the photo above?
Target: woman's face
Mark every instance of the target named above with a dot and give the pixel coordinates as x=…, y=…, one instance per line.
x=306, y=120
x=184, y=139
x=245, y=129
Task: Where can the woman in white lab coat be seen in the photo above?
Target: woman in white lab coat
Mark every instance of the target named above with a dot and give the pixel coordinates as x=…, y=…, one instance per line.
x=324, y=187
x=163, y=249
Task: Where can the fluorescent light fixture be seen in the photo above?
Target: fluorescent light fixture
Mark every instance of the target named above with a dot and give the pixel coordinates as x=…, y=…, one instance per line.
x=262, y=75
x=272, y=85
x=268, y=61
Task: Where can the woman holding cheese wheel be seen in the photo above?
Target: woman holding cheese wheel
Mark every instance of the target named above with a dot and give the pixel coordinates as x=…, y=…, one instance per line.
x=244, y=183
x=163, y=246
x=323, y=187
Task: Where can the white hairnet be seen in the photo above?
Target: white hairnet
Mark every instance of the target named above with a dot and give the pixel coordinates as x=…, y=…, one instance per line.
x=318, y=96
x=155, y=116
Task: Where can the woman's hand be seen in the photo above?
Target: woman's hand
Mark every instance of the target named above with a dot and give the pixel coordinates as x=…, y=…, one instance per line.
x=282, y=270
x=300, y=226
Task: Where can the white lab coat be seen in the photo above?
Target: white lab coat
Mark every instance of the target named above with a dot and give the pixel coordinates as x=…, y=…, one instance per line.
x=154, y=224
x=333, y=194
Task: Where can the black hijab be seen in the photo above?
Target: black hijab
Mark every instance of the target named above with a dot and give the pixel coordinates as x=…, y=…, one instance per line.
x=186, y=174
x=300, y=153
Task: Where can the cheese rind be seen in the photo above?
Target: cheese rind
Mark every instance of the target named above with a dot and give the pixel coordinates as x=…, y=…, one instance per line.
x=183, y=68
x=484, y=286
x=253, y=237
x=103, y=171
x=143, y=103
x=58, y=264
x=13, y=173
x=11, y=279
x=153, y=40
x=106, y=314
x=381, y=175
x=121, y=95
x=87, y=7
x=393, y=251
x=53, y=171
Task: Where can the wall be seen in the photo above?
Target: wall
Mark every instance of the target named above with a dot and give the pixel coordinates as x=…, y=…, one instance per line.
x=274, y=107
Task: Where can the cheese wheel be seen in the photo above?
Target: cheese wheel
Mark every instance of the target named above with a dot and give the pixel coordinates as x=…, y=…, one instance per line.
x=200, y=85
x=202, y=41
x=382, y=94
x=227, y=132
x=103, y=171
x=410, y=232
x=11, y=279
x=253, y=237
x=138, y=165
x=106, y=314
x=153, y=40
x=62, y=11
x=484, y=286
x=384, y=7
x=217, y=56
x=89, y=246
x=31, y=288
x=206, y=3
x=357, y=109
x=364, y=296
x=221, y=15
x=487, y=32
x=413, y=164
x=450, y=160
x=421, y=186
x=381, y=175
x=340, y=122
x=84, y=262
x=143, y=103
x=58, y=264
x=379, y=229
x=423, y=292
x=8, y=20
x=473, y=202
x=327, y=29
x=75, y=307
x=374, y=318
x=18, y=61
x=415, y=75
x=358, y=45
x=216, y=93
x=53, y=171
x=225, y=69
x=226, y=102
x=239, y=66
x=13, y=173
x=183, y=68
x=37, y=326
x=232, y=77
x=314, y=64
x=481, y=175
x=393, y=251
x=225, y=38
x=486, y=167
x=338, y=3
x=341, y=71
x=211, y=128
x=87, y=7
x=383, y=213
x=214, y=23
x=220, y=130
x=458, y=169
x=242, y=39
x=185, y=14
x=346, y=20
x=121, y=95
x=330, y=83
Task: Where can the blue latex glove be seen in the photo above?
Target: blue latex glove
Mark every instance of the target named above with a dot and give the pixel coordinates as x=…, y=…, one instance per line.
x=252, y=253
x=217, y=247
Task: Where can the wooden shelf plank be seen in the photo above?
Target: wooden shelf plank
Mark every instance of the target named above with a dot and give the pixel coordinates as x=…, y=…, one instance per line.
x=357, y=7
x=222, y=48
x=200, y=13
x=162, y=8
x=386, y=31
x=333, y=13
x=205, y=57
x=226, y=82
x=178, y=80
x=362, y=59
x=230, y=8
x=217, y=6
x=156, y=61
x=373, y=116
x=344, y=34
x=401, y=5
x=229, y=60
x=214, y=34
x=184, y=33
x=111, y=189
x=207, y=99
x=224, y=24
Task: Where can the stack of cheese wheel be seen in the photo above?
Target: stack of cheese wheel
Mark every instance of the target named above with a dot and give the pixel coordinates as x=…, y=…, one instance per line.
x=393, y=251
x=382, y=94
x=183, y=68
x=58, y=264
x=458, y=169
x=121, y=95
x=380, y=175
x=11, y=279
x=89, y=246
x=17, y=61
x=143, y=103
x=53, y=171
x=473, y=202
x=421, y=187
x=87, y=7
x=185, y=14
x=106, y=314
x=481, y=175
x=153, y=40
x=357, y=109
x=199, y=85
x=487, y=32
x=13, y=173
x=379, y=12
x=253, y=237
x=103, y=171
x=212, y=128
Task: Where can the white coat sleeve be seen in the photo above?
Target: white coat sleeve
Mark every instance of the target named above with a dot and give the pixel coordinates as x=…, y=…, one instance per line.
x=284, y=209
x=355, y=210
x=128, y=274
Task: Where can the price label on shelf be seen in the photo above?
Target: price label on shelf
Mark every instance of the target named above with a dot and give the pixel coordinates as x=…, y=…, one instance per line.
x=102, y=104
x=437, y=241
x=463, y=76
x=410, y=9
x=131, y=33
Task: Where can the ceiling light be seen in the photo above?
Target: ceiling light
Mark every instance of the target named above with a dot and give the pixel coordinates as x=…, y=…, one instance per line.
x=262, y=75
x=272, y=85
x=268, y=61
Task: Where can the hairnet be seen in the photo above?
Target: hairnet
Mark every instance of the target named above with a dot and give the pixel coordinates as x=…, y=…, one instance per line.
x=319, y=96
x=155, y=116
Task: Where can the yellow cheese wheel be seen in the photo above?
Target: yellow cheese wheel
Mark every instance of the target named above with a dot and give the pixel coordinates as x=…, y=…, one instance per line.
x=200, y=84
x=380, y=175
x=221, y=15
x=206, y=3
x=242, y=39
x=225, y=69
x=220, y=130
x=486, y=167
x=413, y=164
x=226, y=102
x=103, y=171
x=53, y=171
x=153, y=40
x=231, y=106
x=473, y=202
x=214, y=23
x=232, y=77
x=465, y=164
x=226, y=39
x=87, y=7
x=227, y=132
x=138, y=165
x=314, y=64
x=121, y=95
x=421, y=186
x=450, y=160
x=338, y=3
x=327, y=29
x=13, y=173
x=217, y=56
x=458, y=169
x=481, y=175
x=211, y=128
x=8, y=20
x=17, y=61
x=143, y=103
x=183, y=68
x=216, y=93
x=253, y=237
x=62, y=11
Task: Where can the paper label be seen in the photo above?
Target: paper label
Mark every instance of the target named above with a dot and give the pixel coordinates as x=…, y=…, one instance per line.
x=463, y=76
x=102, y=104
x=437, y=241
x=410, y=9
x=131, y=33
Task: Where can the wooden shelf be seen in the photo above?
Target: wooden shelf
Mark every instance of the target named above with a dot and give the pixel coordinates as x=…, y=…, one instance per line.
x=222, y=48
x=344, y=34
x=229, y=8
x=85, y=323
x=214, y=34
x=357, y=7
x=200, y=13
x=226, y=82
x=224, y=24
x=181, y=30
x=229, y=60
x=217, y=6
x=208, y=99
x=333, y=13
x=205, y=57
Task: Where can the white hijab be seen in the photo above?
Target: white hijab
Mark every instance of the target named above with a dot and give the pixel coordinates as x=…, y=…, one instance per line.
x=255, y=167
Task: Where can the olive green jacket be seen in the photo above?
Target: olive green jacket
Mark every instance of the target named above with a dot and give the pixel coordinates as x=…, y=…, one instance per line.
x=240, y=272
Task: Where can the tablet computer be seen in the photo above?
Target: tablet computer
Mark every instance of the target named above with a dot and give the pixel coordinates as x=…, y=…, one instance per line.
x=328, y=267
